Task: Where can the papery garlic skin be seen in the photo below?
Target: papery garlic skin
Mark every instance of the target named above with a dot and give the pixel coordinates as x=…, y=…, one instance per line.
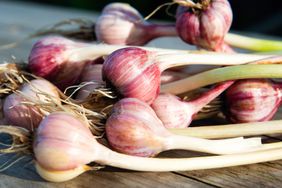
x=19, y=114
x=205, y=28
x=47, y=55
x=58, y=150
x=133, y=128
x=173, y=112
x=118, y=24
x=55, y=59
x=41, y=90
x=133, y=73
x=252, y=100
x=20, y=108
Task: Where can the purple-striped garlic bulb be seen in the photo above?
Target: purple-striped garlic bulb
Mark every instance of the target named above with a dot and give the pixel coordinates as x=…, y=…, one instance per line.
x=122, y=24
x=252, y=100
x=56, y=59
x=205, y=25
x=177, y=113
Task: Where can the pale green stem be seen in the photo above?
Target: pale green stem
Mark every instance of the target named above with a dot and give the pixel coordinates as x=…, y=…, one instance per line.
x=223, y=74
x=254, y=44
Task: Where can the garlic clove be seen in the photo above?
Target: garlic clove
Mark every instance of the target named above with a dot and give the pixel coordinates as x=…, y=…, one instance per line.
x=60, y=176
x=173, y=112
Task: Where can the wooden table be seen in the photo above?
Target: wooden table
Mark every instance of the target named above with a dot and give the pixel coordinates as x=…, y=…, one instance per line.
x=19, y=19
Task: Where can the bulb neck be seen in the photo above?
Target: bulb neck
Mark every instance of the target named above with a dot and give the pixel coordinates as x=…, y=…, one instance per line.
x=208, y=96
x=160, y=30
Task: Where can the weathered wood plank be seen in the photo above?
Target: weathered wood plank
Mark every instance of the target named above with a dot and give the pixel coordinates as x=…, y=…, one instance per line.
x=108, y=179
x=257, y=175
x=23, y=174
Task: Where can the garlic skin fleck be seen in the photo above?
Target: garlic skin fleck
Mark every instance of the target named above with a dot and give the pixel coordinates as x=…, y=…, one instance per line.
x=252, y=100
x=172, y=75
x=207, y=27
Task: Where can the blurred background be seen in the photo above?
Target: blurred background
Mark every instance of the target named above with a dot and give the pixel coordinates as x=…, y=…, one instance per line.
x=251, y=16
x=20, y=18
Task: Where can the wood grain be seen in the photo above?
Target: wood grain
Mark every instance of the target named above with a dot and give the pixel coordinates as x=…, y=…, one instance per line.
x=109, y=179
x=257, y=175
x=23, y=174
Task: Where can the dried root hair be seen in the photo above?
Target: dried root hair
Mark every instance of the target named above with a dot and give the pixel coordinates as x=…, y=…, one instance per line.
x=99, y=100
x=21, y=140
x=83, y=29
x=53, y=104
x=186, y=3
x=11, y=78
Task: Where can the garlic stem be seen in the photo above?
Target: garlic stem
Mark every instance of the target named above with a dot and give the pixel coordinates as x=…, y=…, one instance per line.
x=179, y=59
x=269, y=146
x=251, y=43
x=169, y=57
x=204, y=99
x=232, y=130
x=225, y=146
x=157, y=30
x=92, y=51
x=115, y=159
x=223, y=74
